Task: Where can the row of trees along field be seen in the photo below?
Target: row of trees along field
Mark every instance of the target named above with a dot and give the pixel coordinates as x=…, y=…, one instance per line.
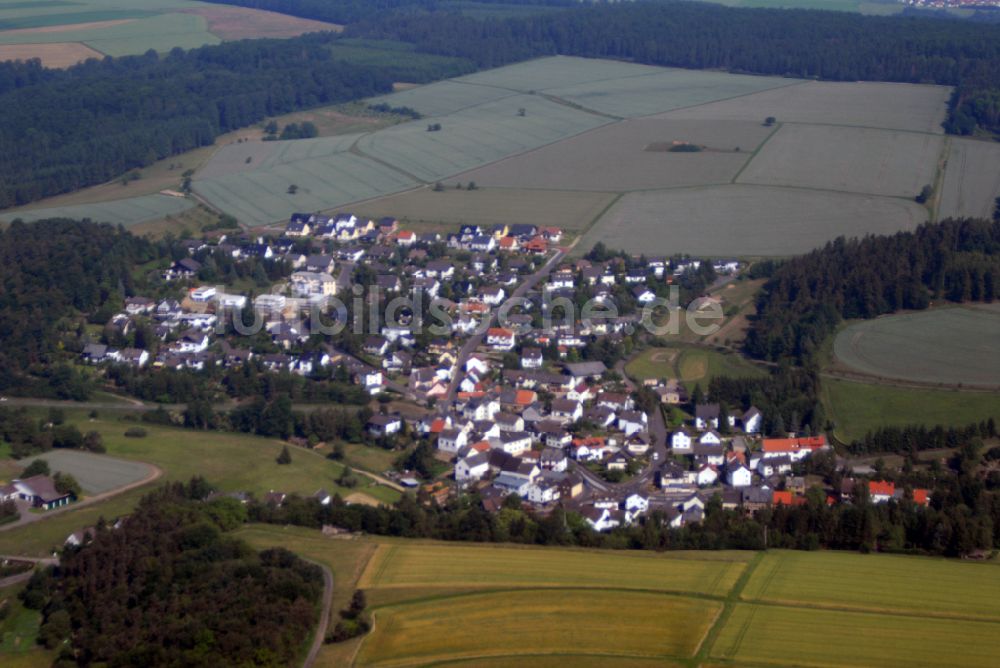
x=964, y=515
x=838, y=46
x=806, y=297
x=170, y=588
x=67, y=129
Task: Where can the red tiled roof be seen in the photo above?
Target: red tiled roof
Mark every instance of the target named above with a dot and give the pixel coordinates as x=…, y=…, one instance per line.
x=881, y=487
x=794, y=444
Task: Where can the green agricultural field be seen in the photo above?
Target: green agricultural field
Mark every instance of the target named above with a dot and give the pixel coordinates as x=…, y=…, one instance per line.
x=878, y=583
x=623, y=157
x=476, y=136
x=746, y=220
x=127, y=212
x=778, y=635
x=844, y=159
x=971, y=179
x=946, y=346
x=426, y=565
x=444, y=97
x=566, y=622
x=95, y=473
x=892, y=106
x=857, y=408
x=666, y=90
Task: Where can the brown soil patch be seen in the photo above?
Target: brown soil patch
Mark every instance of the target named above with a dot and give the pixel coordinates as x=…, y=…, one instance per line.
x=403, y=85
x=362, y=498
x=61, y=54
x=233, y=23
x=66, y=27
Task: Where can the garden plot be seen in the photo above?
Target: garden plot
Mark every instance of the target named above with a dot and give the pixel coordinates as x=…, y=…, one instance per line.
x=855, y=160
x=746, y=221
x=475, y=137
x=617, y=157
x=125, y=212
x=971, y=180
x=892, y=106
x=664, y=90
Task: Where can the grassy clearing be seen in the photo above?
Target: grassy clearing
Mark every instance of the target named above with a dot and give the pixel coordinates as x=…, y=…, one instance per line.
x=782, y=635
x=18, y=631
x=746, y=220
x=857, y=408
x=563, y=622
x=409, y=564
x=230, y=461
x=947, y=346
x=878, y=583
x=690, y=364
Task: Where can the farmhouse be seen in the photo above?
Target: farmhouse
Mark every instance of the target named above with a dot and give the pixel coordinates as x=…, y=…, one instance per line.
x=40, y=491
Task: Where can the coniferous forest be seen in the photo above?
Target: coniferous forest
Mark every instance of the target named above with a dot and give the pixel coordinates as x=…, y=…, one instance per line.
x=170, y=588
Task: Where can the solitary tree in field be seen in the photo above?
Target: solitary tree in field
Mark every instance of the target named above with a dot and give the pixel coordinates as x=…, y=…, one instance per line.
x=925, y=194
x=292, y=189
x=770, y=120
x=285, y=457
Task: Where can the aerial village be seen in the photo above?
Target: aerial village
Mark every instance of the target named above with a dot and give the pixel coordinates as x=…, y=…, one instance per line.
x=534, y=406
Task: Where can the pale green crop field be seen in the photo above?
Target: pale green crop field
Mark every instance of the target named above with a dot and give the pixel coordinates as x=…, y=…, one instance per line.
x=474, y=137
x=951, y=346
x=95, y=473
x=444, y=97
x=971, y=179
x=129, y=211
x=663, y=91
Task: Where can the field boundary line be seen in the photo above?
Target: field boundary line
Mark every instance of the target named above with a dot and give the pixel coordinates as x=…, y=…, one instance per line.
x=489, y=591
x=795, y=82
x=892, y=612
x=753, y=154
x=728, y=605
x=939, y=177
x=868, y=127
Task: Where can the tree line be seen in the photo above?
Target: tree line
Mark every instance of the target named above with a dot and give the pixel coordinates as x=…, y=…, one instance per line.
x=170, y=587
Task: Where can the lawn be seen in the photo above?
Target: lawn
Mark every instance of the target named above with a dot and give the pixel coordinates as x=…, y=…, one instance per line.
x=857, y=408
x=786, y=635
x=878, y=583
x=562, y=622
x=408, y=564
x=943, y=346
x=692, y=365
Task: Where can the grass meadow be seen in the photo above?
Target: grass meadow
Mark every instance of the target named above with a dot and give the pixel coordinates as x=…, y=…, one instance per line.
x=858, y=407
x=692, y=365
x=232, y=462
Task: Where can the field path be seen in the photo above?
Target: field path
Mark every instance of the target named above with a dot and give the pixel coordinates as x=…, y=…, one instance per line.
x=324, y=616
x=731, y=599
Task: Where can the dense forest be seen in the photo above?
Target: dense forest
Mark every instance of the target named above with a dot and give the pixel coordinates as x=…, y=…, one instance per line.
x=75, y=267
x=170, y=588
x=838, y=46
x=805, y=299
